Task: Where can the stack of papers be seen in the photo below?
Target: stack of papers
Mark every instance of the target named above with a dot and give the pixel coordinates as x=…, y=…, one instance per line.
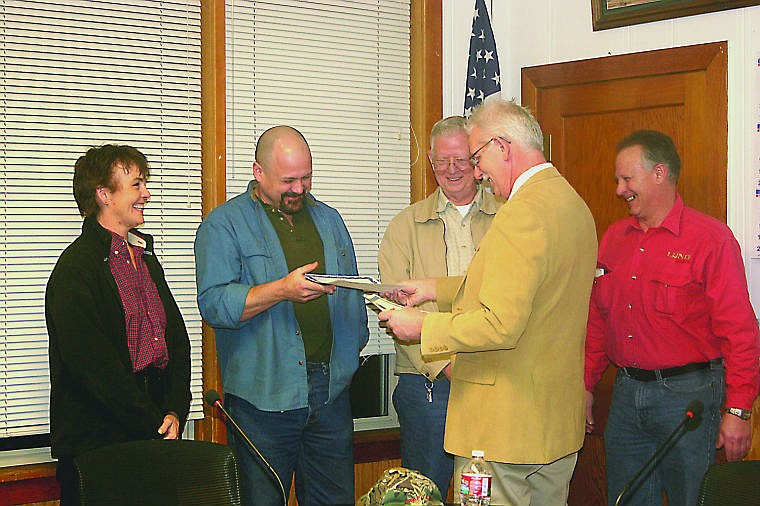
x=381, y=303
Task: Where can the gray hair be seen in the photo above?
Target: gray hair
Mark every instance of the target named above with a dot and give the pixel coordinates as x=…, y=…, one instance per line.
x=499, y=117
x=448, y=126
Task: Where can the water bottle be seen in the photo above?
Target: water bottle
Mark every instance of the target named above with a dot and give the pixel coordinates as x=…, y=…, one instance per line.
x=475, y=487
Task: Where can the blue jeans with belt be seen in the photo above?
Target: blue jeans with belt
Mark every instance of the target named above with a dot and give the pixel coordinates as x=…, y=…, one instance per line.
x=642, y=416
x=421, y=425
x=315, y=443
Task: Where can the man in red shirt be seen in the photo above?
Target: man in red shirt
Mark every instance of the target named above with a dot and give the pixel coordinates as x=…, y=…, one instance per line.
x=670, y=308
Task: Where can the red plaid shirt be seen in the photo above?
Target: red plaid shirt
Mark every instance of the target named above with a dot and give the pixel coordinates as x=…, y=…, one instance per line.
x=143, y=311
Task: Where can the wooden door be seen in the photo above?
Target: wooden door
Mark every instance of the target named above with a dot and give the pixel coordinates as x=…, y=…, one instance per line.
x=587, y=107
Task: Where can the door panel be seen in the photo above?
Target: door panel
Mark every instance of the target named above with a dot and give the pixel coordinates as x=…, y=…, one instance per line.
x=587, y=107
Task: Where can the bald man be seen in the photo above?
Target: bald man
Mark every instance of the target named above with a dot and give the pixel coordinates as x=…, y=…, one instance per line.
x=287, y=347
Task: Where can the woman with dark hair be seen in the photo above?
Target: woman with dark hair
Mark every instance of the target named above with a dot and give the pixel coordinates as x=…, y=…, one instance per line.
x=118, y=348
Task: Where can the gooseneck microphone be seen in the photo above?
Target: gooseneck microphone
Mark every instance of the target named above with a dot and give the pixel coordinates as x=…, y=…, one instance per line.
x=691, y=420
x=213, y=398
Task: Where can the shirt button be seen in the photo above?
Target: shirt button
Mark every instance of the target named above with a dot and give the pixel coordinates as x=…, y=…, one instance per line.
x=298, y=332
x=630, y=336
x=641, y=249
x=633, y=278
x=300, y=362
x=630, y=306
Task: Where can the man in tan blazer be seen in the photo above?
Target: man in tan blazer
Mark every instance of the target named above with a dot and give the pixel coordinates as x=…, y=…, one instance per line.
x=434, y=237
x=516, y=320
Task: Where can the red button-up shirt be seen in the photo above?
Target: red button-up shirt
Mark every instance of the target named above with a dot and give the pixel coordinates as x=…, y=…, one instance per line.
x=670, y=296
x=143, y=311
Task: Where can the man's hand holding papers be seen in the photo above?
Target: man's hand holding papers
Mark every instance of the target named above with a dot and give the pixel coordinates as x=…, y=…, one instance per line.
x=406, y=323
x=412, y=292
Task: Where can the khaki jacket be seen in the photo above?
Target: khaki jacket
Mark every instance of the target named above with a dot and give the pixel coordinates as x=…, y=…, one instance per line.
x=517, y=325
x=413, y=247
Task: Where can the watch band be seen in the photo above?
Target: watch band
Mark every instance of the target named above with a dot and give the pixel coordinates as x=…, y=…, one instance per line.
x=744, y=414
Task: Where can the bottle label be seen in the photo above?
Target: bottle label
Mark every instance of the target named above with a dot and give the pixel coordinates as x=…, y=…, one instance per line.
x=476, y=485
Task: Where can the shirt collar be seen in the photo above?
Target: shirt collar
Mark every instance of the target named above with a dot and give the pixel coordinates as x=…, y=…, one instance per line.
x=443, y=201
x=523, y=178
x=118, y=244
x=672, y=221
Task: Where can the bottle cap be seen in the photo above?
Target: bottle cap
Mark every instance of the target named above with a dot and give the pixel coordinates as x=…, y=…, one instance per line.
x=477, y=453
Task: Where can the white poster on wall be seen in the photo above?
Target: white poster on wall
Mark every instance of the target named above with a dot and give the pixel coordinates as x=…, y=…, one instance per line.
x=756, y=163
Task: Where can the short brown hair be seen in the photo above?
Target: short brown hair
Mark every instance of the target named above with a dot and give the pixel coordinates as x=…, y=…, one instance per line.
x=95, y=169
x=656, y=148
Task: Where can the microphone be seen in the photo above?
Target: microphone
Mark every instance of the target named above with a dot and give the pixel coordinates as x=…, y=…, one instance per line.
x=694, y=412
x=213, y=399
x=691, y=420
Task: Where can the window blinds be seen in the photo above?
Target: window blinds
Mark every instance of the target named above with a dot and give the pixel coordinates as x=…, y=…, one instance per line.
x=339, y=72
x=75, y=74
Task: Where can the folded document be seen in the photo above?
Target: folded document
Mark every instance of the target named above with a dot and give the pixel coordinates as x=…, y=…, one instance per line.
x=363, y=283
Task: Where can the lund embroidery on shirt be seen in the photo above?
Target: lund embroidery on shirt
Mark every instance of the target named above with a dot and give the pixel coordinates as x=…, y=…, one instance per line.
x=679, y=257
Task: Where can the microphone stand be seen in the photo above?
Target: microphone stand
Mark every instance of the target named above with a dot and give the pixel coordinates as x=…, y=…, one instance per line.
x=690, y=417
x=212, y=397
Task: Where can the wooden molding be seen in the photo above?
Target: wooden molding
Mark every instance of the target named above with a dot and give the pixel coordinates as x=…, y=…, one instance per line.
x=426, y=92
x=213, y=184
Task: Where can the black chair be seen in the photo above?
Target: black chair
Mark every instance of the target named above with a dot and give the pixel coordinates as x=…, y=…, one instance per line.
x=731, y=483
x=159, y=472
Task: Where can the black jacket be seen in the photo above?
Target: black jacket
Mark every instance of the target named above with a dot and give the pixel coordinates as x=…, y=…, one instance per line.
x=95, y=399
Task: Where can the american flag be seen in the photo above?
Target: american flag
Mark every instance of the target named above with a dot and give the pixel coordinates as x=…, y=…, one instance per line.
x=483, y=76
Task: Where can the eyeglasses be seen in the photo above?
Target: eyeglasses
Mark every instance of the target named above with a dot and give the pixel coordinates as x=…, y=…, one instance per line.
x=475, y=159
x=462, y=164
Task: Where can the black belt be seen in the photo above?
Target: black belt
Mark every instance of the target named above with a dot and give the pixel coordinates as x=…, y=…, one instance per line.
x=647, y=375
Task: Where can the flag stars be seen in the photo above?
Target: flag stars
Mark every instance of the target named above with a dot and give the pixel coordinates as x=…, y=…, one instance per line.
x=483, y=77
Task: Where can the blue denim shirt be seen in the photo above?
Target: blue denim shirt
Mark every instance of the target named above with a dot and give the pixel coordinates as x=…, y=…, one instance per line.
x=262, y=359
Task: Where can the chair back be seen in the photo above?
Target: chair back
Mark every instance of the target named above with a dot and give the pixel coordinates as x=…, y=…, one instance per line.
x=731, y=483
x=159, y=472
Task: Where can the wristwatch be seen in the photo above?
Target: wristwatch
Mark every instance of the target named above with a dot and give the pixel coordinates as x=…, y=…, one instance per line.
x=744, y=414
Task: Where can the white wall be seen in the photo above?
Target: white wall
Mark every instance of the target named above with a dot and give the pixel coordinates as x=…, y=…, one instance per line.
x=536, y=32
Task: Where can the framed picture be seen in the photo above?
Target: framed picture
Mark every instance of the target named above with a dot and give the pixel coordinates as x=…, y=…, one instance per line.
x=614, y=13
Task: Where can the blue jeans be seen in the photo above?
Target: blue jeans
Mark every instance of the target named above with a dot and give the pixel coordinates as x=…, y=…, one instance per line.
x=315, y=443
x=422, y=424
x=642, y=416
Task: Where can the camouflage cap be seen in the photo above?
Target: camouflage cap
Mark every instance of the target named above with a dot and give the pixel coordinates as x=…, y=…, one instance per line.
x=402, y=487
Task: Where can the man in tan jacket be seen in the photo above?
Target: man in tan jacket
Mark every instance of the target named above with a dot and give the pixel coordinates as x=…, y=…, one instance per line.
x=516, y=321
x=434, y=237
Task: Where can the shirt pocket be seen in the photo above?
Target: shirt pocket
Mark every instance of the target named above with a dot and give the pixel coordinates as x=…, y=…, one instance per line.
x=673, y=292
x=256, y=262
